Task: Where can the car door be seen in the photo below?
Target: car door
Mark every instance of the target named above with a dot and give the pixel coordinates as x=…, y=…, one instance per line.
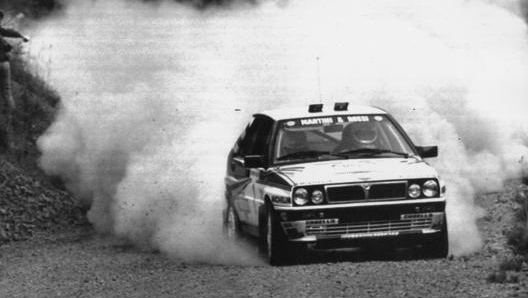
x=261, y=147
x=255, y=140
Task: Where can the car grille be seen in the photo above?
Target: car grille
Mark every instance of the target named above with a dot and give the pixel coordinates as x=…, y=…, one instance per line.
x=345, y=193
x=329, y=229
x=388, y=190
x=362, y=192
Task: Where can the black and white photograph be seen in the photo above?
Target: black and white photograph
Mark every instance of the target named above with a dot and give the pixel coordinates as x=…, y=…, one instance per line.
x=264, y=148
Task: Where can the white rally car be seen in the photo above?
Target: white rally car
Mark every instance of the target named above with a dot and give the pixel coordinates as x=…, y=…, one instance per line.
x=332, y=176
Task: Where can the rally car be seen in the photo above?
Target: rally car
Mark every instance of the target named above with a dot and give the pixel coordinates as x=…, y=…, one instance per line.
x=332, y=176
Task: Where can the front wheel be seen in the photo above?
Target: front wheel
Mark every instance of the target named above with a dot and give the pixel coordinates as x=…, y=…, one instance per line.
x=232, y=228
x=275, y=241
x=438, y=245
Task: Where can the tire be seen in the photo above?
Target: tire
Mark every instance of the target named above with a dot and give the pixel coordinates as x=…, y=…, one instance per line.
x=438, y=246
x=232, y=228
x=274, y=239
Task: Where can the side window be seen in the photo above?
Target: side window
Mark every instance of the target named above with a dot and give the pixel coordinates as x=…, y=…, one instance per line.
x=255, y=139
x=245, y=143
x=240, y=141
x=262, y=141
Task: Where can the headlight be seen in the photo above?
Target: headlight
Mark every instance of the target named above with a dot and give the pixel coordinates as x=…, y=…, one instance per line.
x=414, y=191
x=300, y=196
x=317, y=197
x=430, y=188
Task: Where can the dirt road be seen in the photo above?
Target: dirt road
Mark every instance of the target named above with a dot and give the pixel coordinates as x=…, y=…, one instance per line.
x=79, y=263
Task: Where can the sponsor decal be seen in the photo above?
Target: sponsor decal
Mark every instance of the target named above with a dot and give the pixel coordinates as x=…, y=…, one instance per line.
x=416, y=215
x=358, y=119
x=329, y=120
x=369, y=235
x=317, y=121
x=325, y=221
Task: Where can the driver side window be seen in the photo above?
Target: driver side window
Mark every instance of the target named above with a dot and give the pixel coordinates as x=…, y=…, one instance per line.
x=256, y=138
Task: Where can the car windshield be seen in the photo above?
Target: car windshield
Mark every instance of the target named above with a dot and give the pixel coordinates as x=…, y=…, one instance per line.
x=333, y=137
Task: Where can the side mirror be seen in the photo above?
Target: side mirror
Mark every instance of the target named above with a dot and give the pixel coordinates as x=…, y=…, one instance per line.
x=427, y=151
x=254, y=161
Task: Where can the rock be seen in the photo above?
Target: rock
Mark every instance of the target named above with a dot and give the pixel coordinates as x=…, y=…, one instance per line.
x=27, y=204
x=3, y=235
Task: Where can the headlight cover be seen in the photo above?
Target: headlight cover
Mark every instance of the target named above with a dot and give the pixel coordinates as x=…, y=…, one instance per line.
x=430, y=188
x=317, y=197
x=300, y=196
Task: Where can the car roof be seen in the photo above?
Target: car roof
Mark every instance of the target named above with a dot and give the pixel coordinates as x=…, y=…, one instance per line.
x=328, y=110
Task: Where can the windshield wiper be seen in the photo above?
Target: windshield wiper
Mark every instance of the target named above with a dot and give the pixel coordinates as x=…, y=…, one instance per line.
x=369, y=151
x=301, y=154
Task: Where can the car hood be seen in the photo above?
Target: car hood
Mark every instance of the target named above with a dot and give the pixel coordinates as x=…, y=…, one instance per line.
x=357, y=170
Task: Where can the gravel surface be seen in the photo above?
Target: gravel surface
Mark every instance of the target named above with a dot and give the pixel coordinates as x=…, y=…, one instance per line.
x=79, y=263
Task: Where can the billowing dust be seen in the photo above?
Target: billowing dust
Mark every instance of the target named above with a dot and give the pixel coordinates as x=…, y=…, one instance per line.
x=155, y=95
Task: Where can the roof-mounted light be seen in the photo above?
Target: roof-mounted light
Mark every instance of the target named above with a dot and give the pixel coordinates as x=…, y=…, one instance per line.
x=315, y=108
x=341, y=106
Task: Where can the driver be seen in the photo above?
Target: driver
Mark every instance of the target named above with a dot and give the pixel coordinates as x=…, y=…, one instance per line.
x=358, y=135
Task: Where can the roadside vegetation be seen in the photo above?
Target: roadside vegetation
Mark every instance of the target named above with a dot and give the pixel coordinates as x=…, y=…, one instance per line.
x=518, y=236
x=510, y=267
x=37, y=104
x=30, y=201
x=32, y=8
x=37, y=9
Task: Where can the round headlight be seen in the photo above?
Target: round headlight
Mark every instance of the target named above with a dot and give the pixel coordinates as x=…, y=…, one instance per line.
x=317, y=197
x=300, y=196
x=430, y=188
x=414, y=191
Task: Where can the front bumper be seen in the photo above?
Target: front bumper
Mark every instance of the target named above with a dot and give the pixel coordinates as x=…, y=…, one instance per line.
x=353, y=224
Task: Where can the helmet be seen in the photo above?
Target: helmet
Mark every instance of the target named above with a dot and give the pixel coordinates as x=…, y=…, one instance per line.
x=361, y=132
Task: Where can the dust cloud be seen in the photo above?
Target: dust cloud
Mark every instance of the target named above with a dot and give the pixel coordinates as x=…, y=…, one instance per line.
x=155, y=95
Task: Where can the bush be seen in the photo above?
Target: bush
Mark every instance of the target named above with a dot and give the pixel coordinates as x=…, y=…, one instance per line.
x=508, y=272
x=32, y=8
x=512, y=264
x=518, y=235
x=36, y=107
x=502, y=276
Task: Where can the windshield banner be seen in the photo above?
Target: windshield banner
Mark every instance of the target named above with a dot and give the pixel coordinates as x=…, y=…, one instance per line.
x=319, y=121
